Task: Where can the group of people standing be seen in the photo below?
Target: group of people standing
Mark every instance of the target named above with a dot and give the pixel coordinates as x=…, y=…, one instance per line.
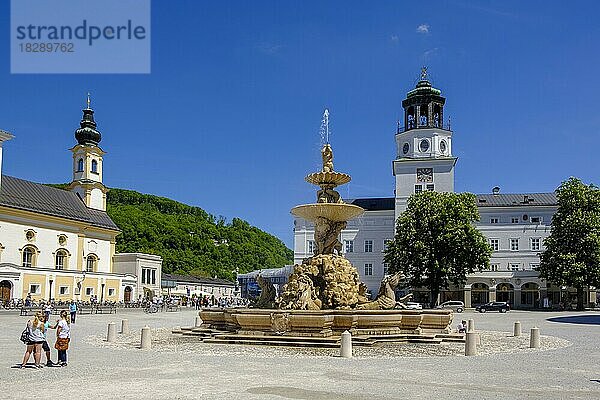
x=36, y=339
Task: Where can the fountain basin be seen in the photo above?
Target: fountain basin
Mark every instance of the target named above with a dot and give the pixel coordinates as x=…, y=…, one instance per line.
x=328, y=178
x=336, y=212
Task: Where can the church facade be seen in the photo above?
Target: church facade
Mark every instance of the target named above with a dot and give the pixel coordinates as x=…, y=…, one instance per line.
x=60, y=244
x=514, y=224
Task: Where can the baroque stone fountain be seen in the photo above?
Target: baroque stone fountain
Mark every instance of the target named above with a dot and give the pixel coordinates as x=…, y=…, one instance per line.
x=324, y=296
x=326, y=280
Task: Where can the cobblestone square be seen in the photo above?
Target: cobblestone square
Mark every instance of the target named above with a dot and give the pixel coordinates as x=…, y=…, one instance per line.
x=565, y=367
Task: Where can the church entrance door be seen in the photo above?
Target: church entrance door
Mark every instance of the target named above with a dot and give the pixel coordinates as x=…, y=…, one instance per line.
x=5, y=289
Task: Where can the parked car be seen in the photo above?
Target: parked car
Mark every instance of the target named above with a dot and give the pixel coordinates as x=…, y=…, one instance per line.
x=457, y=306
x=501, y=306
x=410, y=305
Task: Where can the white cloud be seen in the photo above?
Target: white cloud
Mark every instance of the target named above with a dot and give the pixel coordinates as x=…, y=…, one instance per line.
x=429, y=53
x=423, y=28
x=269, y=48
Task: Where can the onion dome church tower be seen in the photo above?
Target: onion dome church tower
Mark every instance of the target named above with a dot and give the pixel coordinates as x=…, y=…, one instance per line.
x=424, y=158
x=87, y=162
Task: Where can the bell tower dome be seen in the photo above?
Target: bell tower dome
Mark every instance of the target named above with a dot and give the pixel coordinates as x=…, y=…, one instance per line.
x=424, y=158
x=87, y=162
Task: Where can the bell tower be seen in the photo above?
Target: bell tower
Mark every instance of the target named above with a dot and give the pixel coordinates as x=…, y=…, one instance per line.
x=87, y=162
x=424, y=158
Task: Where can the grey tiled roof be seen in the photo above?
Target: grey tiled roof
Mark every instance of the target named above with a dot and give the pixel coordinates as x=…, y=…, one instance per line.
x=375, y=203
x=483, y=200
x=35, y=197
x=516, y=199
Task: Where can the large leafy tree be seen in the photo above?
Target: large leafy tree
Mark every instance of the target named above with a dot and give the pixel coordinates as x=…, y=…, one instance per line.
x=572, y=255
x=436, y=242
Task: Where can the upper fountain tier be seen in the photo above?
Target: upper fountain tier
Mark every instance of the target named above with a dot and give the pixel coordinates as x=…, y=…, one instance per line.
x=328, y=179
x=330, y=205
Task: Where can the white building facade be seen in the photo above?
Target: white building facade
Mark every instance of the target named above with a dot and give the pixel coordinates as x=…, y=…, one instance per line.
x=515, y=224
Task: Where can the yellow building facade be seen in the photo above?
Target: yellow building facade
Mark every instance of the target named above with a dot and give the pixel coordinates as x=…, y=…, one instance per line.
x=60, y=244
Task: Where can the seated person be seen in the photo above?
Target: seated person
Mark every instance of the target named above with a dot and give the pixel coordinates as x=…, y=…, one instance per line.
x=462, y=327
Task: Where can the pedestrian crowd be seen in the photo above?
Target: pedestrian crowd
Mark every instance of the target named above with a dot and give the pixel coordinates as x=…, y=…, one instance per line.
x=35, y=337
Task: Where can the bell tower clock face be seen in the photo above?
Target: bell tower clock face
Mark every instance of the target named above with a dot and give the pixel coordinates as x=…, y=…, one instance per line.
x=425, y=175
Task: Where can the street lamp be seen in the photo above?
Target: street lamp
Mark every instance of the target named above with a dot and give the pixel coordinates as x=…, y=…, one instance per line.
x=51, y=280
x=102, y=293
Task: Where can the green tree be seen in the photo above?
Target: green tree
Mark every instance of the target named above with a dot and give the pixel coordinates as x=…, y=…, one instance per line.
x=436, y=242
x=572, y=255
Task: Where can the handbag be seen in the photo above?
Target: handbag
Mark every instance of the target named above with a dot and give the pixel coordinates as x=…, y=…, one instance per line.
x=25, y=335
x=62, y=344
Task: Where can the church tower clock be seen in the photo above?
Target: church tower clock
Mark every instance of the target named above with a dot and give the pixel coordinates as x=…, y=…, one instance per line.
x=424, y=158
x=87, y=162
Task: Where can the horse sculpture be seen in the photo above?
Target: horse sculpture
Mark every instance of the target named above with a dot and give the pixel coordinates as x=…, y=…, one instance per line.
x=386, y=298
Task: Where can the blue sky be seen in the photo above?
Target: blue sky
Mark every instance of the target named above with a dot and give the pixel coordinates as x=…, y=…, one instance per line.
x=228, y=119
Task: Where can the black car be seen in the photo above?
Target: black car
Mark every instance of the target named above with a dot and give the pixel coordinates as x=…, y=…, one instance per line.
x=501, y=306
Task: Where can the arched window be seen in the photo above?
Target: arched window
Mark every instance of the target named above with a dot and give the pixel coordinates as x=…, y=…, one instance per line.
x=28, y=256
x=95, y=166
x=60, y=259
x=91, y=263
x=80, y=165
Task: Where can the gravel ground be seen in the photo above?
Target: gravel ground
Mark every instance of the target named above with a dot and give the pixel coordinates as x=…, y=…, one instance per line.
x=491, y=343
x=567, y=366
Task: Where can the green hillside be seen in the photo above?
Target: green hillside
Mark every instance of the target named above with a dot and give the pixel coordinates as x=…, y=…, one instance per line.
x=190, y=240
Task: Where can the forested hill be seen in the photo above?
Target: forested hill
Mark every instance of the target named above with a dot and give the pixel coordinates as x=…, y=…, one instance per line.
x=190, y=240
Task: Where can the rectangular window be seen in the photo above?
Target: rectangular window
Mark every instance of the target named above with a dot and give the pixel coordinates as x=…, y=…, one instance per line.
x=495, y=244
x=154, y=277
x=62, y=290
x=111, y=291
x=368, y=269
x=311, y=246
x=514, y=220
x=143, y=275
x=418, y=188
x=430, y=187
x=534, y=267
x=34, y=288
x=514, y=244
x=535, y=244
x=349, y=246
x=514, y=267
x=493, y=220
x=89, y=291
x=536, y=220
x=368, y=246
x=148, y=281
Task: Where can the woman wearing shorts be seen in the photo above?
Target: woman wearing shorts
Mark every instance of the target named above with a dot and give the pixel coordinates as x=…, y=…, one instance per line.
x=35, y=340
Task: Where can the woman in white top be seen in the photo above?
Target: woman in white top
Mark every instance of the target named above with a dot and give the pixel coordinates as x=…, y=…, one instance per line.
x=63, y=336
x=35, y=338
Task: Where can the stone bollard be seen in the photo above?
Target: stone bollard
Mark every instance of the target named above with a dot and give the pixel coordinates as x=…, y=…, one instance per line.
x=125, y=327
x=470, y=326
x=146, y=342
x=111, y=336
x=346, y=345
x=517, y=329
x=198, y=322
x=471, y=344
x=534, y=338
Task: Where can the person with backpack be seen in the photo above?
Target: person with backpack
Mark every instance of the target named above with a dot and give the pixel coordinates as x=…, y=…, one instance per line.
x=34, y=337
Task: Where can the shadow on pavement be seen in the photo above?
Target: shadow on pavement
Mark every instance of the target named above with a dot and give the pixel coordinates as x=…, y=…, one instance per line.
x=577, y=319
